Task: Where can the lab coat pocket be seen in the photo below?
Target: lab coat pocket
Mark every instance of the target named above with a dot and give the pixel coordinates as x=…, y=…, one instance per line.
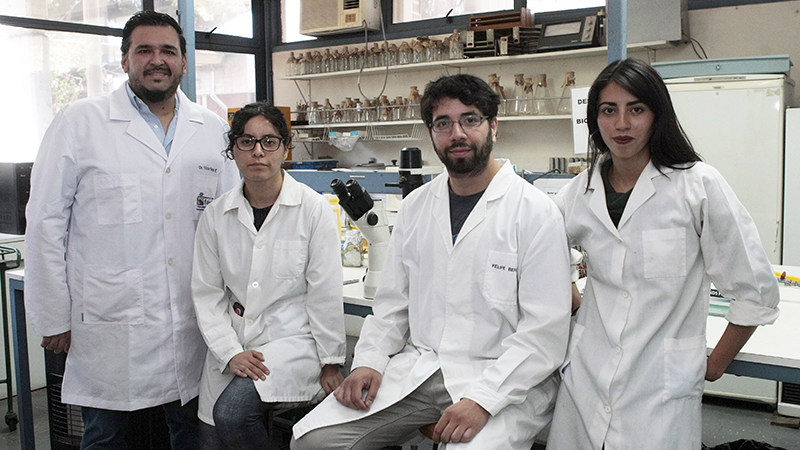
x=119, y=199
x=664, y=253
x=574, y=338
x=205, y=187
x=500, y=278
x=113, y=295
x=289, y=259
x=684, y=367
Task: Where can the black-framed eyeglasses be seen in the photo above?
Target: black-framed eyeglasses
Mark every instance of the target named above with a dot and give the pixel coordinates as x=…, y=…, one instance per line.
x=467, y=123
x=269, y=143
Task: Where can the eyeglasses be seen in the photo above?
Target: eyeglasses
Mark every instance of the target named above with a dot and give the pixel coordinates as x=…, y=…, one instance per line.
x=269, y=143
x=466, y=122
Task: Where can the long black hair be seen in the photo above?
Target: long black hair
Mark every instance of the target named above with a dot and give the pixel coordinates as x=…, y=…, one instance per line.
x=669, y=146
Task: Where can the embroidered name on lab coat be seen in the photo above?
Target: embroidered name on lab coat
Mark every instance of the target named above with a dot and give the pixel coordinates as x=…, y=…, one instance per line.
x=504, y=268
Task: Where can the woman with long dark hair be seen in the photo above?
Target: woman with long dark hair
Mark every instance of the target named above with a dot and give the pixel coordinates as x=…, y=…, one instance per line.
x=658, y=225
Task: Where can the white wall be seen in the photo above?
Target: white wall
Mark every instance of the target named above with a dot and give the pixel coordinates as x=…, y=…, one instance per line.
x=753, y=30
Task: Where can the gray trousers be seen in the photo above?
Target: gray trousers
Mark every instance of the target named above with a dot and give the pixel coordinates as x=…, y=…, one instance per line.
x=391, y=426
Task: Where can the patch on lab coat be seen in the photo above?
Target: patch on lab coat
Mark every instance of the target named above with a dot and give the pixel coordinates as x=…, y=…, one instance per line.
x=113, y=295
x=119, y=198
x=684, y=367
x=664, y=253
x=205, y=186
x=289, y=259
x=500, y=278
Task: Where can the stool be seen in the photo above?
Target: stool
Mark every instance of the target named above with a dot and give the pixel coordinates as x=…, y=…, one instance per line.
x=283, y=417
x=427, y=431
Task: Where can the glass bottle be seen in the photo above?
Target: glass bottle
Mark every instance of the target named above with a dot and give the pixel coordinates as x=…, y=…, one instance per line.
x=526, y=107
x=514, y=106
x=370, y=112
x=358, y=111
x=336, y=61
x=565, y=101
x=392, y=54
x=418, y=54
x=308, y=63
x=313, y=114
x=542, y=97
x=384, y=109
x=344, y=64
x=317, y=62
x=456, y=46
x=327, y=112
x=494, y=83
x=404, y=54
x=327, y=61
x=398, y=107
x=291, y=65
x=413, y=101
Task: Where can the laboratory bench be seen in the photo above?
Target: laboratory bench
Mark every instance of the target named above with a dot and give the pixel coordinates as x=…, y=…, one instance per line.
x=772, y=353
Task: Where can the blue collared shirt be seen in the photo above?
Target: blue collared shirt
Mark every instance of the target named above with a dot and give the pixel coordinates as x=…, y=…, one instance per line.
x=153, y=121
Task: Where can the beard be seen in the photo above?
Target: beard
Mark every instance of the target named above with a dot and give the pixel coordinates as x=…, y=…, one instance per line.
x=156, y=95
x=471, y=164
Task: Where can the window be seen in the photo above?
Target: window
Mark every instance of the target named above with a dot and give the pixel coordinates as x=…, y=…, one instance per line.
x=52, y=69
x=291, y=22
x=412, y=10
x=231, y=17
x=108, y=13
x=224, y=80
x=63, y=51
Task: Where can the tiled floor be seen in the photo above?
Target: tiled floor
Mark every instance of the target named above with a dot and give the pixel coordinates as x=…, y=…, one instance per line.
x=723, y=421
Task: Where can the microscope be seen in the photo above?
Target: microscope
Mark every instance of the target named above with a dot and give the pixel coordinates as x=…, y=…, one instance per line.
x=370, y=218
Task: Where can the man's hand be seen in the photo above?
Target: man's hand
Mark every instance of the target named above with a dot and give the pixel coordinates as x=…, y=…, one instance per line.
x=58, y=343
x=350, y=393
x=249, y=363
x=331, y=378
x=460, y=422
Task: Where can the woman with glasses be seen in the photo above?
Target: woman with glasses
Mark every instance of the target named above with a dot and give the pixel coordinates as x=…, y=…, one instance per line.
x=267, y=287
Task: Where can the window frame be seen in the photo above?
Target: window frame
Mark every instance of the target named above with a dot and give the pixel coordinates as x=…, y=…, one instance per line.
x=258, y=45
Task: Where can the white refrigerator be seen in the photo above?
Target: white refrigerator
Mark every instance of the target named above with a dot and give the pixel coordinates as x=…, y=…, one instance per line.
x=736, y=123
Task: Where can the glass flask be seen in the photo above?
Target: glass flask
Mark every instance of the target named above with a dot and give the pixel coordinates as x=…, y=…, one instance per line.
x=565, y=101
x=542, y=97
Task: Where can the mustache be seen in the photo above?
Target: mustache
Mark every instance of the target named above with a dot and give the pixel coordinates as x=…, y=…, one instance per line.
x=460, y=144
x=161, y=68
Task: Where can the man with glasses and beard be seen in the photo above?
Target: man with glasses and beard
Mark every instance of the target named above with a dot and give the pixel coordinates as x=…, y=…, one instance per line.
x=117, y=188
x=471, y=319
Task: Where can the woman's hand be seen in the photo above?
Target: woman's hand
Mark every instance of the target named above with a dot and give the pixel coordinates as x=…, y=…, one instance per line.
x=331, y=378
x=249, y=363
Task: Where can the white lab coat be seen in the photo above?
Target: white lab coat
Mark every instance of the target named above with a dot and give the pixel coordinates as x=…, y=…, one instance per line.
x=288, y=277
x=111, y=221
x=636, y=362
x=491, y=311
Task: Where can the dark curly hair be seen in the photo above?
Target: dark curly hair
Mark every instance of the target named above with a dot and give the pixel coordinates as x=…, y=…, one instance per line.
x=242, y=116
x=468, y=89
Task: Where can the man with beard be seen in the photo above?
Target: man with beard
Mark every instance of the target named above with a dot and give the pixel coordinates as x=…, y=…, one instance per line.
x=117, y=188
x=471, y=319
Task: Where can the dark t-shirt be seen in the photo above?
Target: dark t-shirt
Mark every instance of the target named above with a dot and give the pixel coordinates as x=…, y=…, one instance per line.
x=615, y=202
x=460, y=207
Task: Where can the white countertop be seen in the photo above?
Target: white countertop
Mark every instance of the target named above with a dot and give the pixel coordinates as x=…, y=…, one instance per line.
x=775, y=344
